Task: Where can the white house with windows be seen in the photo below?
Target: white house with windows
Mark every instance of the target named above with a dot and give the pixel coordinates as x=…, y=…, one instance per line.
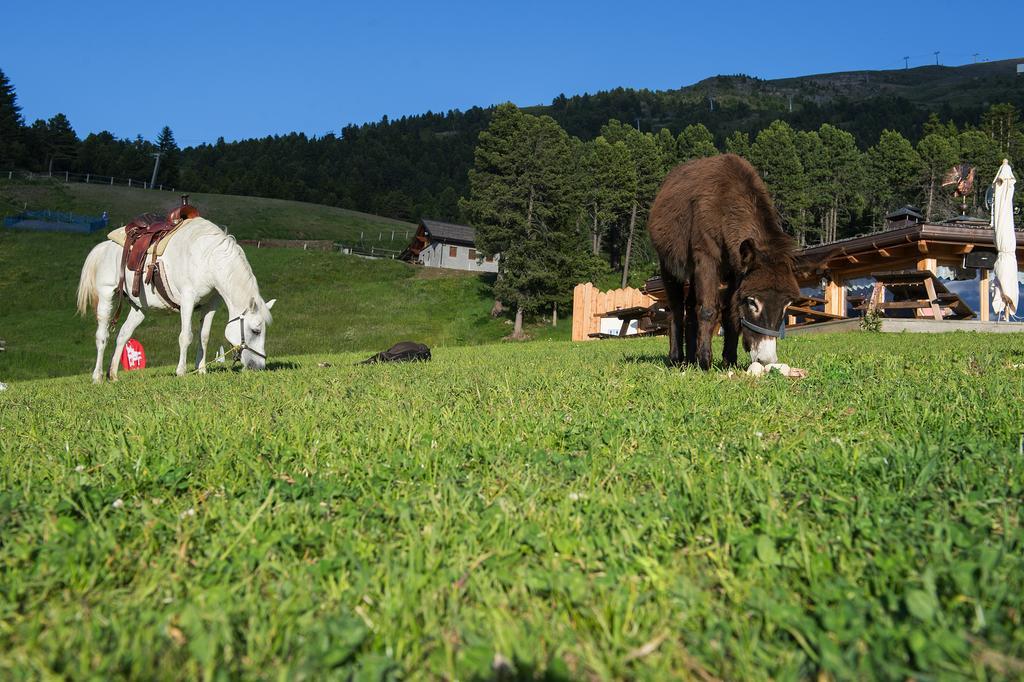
x=445, y=245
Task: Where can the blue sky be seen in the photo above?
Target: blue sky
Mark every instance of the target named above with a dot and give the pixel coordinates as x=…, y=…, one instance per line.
x=241, y=70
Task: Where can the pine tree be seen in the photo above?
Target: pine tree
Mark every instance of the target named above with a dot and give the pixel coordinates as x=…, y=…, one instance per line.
x=170, y=157
x=738, y=143
x=57, y=140
x=520, y=203
x=815, y=164
x=935, y=126
x=649, y=170
x=696, y=142
x=1003, y=125
x=776, y=157
x=165, y=141
x=981, y=151
x=892, y=167
x=938, y=154
x=667, y=148
x=842, y=180
x=11, y=125
x=98, y=154
x=606, y=186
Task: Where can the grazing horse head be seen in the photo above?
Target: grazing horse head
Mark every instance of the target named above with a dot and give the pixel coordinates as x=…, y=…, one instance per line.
x=248, y=331
x=766, y=287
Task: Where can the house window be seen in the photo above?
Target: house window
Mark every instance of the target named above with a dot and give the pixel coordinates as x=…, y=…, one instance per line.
x=472, y=254
x=489, y=259
x=453, y=251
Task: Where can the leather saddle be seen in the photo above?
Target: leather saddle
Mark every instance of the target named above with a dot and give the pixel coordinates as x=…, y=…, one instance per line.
x=142, y=236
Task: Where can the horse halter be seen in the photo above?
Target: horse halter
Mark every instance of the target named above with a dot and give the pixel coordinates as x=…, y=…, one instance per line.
x=242, y=345
x=779, y=333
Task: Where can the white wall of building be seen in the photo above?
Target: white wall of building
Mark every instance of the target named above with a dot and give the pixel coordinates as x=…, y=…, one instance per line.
x=456, y=257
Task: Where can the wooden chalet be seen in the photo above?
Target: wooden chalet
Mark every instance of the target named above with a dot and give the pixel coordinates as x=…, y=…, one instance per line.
x=447, y=245
x=847, y=273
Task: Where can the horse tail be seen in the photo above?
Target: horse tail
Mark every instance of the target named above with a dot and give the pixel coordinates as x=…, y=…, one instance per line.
x=88, y=295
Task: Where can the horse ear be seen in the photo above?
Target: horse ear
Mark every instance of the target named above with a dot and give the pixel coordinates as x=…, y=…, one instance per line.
x=253, y=306
x=270, y=303
x=748, y=254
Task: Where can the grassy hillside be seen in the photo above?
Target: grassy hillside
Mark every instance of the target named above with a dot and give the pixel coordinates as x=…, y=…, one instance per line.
x=929, y=86
x=576, y=511
x=862, y=102
x=326, y=303
x=245, y=217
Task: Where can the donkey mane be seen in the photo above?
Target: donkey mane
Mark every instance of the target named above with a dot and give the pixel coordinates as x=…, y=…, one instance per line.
x=771, y=240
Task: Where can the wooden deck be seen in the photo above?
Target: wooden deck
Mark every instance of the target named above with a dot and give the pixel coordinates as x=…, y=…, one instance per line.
x=893, y=325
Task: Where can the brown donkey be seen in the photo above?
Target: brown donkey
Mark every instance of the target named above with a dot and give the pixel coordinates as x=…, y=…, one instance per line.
x=715, y=229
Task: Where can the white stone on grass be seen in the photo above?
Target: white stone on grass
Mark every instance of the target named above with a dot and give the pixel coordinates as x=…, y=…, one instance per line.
x=757, y=369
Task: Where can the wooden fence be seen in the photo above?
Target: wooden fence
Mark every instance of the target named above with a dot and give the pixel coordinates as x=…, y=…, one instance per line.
x=88, y=178
x=589, y=303
x=304, y=244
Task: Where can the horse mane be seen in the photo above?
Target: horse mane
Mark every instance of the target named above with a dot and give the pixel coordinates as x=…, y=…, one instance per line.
x=240, y=278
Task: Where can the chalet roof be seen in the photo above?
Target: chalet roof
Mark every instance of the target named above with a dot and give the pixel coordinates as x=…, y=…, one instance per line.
x=968, y=221
x=907, y=242
x=449, y=233
x=958, y=231
x=905, y=212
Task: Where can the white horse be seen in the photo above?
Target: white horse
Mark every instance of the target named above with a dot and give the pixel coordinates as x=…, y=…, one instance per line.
x=201, y=266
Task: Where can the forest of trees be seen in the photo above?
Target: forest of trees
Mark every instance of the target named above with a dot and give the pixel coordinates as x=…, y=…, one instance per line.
x=53, y=145
x=564, y=196
x=418, y=166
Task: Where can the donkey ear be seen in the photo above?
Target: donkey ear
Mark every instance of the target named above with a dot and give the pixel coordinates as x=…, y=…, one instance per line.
x=270, y=303
x=748, y=254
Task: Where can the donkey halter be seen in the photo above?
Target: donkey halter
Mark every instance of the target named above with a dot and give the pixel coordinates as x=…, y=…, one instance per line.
x=242, y=345
x=779, y=333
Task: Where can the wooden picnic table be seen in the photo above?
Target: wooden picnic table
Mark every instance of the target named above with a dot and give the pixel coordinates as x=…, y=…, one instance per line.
x=917, y=290
x=652, y=320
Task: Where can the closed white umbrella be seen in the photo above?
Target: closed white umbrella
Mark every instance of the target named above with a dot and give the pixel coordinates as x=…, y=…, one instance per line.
x=1005, y=297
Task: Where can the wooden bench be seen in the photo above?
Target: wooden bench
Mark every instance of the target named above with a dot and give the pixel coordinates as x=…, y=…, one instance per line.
x=919, y=291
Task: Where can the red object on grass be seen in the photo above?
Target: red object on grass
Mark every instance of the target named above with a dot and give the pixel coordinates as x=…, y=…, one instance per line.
x=133, y=356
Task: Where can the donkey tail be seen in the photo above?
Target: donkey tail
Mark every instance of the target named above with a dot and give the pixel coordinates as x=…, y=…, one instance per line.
x=88, y=295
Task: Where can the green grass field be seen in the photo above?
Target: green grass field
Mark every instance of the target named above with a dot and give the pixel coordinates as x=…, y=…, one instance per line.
x=578, y=511
x=326, y=303
x=541, y=510
x=244, y=217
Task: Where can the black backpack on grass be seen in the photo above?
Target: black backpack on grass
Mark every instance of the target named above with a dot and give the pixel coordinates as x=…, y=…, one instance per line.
x=404, y=351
